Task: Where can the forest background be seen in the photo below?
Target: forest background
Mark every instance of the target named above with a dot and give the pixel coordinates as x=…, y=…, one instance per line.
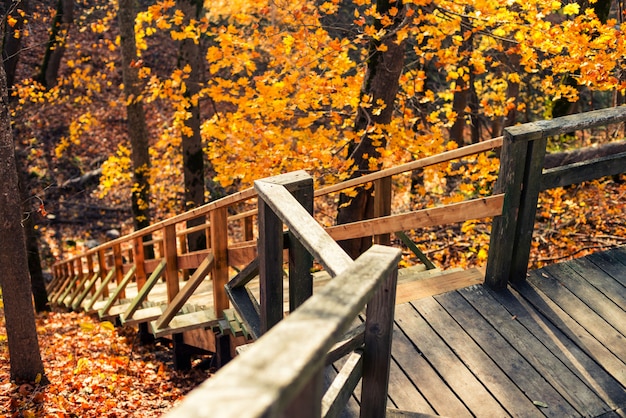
x=128, y=112
x=236, y=91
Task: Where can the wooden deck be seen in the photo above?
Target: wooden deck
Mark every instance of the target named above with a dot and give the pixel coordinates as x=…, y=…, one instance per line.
x=554, y=346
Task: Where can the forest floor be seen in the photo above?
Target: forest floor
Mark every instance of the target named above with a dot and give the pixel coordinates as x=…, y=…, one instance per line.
x=95, y=370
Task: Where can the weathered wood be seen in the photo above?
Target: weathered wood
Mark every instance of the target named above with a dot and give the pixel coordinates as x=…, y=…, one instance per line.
x=139, y=259
x=502, y=240
x=144, y=315
x=306, y=230
x=527, y=209
x=457, y=376
x=581, y=364
x=142, y=294
x=580, y=312
x=341, y=389
x=271, y=378
x=192, y=260
x=350, y=341
x=474, y=358
x=414, y=165
x=171, y=260
x=583, y=171
x=377, y=351
x=179, y=300
x=436, y=392
x=456, y=212
x=299, y=258
x=118, y=262
x=103, y=269
x=565, y=124
x=599, y=279
x=308, y=403
x=248, y=309
x=219, y=246
x=436, y=285
x=270, y=266
x=187, y=322
x=382, y=206
x=117, y=293
x=88, y=287
x=577, y=393
x=103, y=290
x=245, y=275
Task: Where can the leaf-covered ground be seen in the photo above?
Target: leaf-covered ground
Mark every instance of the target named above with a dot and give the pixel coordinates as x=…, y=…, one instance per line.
x=95, y=370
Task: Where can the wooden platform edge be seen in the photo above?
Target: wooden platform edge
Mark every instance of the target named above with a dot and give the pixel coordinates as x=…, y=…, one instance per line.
x=432, y=286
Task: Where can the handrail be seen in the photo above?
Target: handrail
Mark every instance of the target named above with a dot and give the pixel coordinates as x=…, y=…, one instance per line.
x=521, y=179
x=277, y=370
x=287, y=348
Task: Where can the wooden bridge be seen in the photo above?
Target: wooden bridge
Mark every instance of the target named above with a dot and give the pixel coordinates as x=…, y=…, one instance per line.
x=375, y=341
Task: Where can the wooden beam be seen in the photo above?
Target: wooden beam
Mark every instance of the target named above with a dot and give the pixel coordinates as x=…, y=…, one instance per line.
x=177, y=303
x=142, y=295
x=436, y=285
x=583, y=171
x=219, y=246
x=280, y=364
x=171, y=261
x=456, y=212
x=117, y=293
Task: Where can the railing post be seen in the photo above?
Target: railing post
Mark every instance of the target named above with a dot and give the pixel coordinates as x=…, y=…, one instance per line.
x=103, y=270
x=118, y=261
x=219, y=244
x=139, y=256
x=382, y=206
x=270, y=250
x=171, y=260
x=300, y=260
x=521, y=164
x=377, y=353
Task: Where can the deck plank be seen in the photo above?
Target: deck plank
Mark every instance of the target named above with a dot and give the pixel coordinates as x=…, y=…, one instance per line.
x=612, y=262
x=600, y=279
x=512, y=363
x=430, y=384
x=577, y=394
x=464, y=384
x=590, y=296
x=472, y=355
x=580, y=312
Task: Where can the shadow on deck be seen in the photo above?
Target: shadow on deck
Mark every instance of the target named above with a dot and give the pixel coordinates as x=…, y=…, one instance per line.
x=552, y=346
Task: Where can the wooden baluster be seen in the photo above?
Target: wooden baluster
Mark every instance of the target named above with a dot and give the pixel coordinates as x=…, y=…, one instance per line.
x=377, y=352
x=219, y=245
x=270, y=250
x=248, y=228
x=382, y=206
x=171, y=258
x=139, y=257
x=118, y=262
x=103, y=270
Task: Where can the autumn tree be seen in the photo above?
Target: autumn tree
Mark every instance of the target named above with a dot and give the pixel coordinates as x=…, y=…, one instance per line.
x=55, y=49
x=26, y=364
x=378, y=94
x=135, y=115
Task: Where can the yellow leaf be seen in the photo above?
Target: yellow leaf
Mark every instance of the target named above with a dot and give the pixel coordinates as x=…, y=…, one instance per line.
x=86, y=326
x=571, y=9
x=107, y=325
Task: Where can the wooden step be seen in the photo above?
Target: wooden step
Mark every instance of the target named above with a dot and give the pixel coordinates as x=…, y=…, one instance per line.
x=186, y=322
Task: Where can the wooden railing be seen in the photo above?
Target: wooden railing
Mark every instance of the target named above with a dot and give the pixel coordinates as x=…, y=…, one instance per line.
x=283, y=372
x=522, y=177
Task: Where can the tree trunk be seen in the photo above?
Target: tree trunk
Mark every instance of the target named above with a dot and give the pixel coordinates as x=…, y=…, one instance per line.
x=381, y=83
x=25, y=359
x=135, y=116
x=12, y=44
x=193, y=156
x=49, y=71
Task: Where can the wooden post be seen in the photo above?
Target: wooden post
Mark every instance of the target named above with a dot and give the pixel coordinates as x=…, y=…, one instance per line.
x=118, y=261
x=503, y=229
x=377, y=352
x=103, y=270
x=300, y=260
x=308, y=404
x=248, y=230
x=139, y=256
x=219, y=244
x=528, y=208
x=270, y=250
x=382, y=206
x=171, y=259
